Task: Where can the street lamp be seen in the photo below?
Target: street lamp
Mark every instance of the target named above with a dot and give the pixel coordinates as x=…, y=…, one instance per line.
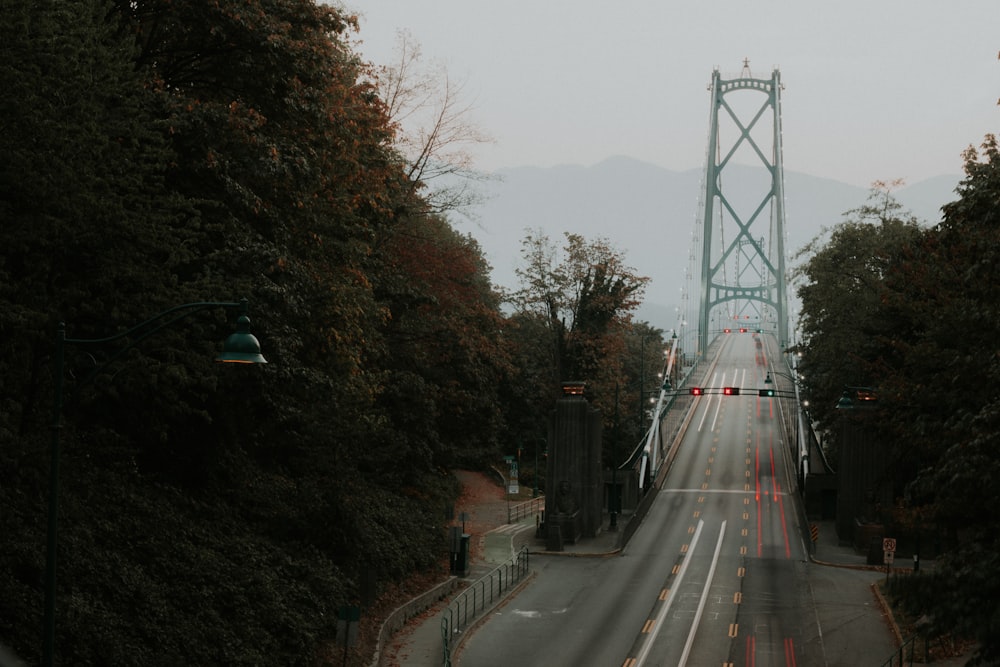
x=642, y=373
x=768, y=380
x=240, y=347
x=612, y=500
x=534, y=491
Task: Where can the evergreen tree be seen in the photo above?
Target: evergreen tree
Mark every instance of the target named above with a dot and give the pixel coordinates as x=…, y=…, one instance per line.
x=841, y=289
x=943, y=404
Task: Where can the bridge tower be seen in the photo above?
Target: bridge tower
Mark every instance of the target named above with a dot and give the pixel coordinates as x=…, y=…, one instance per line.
x=743, y=213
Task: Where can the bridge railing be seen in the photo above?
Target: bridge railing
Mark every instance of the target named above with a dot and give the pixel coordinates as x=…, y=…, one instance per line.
x=478, y=597
x=669, y=417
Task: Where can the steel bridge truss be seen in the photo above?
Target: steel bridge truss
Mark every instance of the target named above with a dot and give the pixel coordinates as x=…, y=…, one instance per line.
x=743, y=274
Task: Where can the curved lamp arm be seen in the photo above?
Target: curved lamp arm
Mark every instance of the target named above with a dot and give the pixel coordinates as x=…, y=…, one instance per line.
x=240, y=347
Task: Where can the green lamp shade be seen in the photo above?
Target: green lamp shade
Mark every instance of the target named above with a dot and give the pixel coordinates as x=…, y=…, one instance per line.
x=242, y=347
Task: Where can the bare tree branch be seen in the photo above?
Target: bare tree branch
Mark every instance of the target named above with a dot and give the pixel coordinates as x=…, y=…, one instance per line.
x=434, y=128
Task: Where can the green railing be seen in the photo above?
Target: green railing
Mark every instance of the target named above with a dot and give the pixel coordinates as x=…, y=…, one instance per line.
x=478, y=597
x=522, y=510
x=901, y=656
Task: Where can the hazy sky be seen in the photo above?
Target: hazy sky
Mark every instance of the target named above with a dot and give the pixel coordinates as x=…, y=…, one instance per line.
x=873, y=89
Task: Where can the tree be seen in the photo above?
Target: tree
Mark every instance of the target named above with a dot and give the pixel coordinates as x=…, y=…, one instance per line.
x=583, y=298
x=433, y=126
x=840, y=286
x=82, y=190
x=943, y=409
x=446, y=357
x=925, y=338
x=643, y=368
x=162, y=152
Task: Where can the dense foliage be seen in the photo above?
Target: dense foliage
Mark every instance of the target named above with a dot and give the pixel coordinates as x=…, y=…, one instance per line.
x=841, y=288
x=924, y=336
x=164, y=152
x=160, y=152
x=576, y=302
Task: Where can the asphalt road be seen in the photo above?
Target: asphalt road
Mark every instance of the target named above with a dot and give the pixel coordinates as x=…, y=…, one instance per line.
x=718, y=573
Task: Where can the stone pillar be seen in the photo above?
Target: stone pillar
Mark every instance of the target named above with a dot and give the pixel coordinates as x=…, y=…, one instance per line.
x=575, y=493
x=863, y=495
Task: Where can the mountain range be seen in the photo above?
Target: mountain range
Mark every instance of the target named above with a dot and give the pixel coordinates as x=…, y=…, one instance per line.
x=649, y=212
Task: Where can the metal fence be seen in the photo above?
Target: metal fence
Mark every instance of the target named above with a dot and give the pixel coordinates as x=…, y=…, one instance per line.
x=525, y=509
x=902, y=657
x=479, y=597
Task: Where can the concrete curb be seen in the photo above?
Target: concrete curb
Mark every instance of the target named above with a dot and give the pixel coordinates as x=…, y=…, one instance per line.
x=887, y=612
x=578, y=554
x=847, y=566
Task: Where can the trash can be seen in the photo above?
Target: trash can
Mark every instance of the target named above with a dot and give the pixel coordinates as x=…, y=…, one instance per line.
x=460, y=555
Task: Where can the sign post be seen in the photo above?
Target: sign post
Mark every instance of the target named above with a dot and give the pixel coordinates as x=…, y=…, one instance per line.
x=512, y=480
x=512, y=487
x=888, y=554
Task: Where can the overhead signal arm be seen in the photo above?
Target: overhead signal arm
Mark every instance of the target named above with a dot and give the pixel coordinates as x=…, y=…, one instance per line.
x=775, y=393
x=725, y=391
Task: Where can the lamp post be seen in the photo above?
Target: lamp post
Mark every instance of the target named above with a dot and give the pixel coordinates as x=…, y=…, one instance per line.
x=534, y=490
x=768, y=380
x=642, y=374
x=613, y=501
x=240, y=347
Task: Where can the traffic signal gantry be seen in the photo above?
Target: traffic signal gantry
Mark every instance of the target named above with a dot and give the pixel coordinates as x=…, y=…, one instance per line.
x=734, y=391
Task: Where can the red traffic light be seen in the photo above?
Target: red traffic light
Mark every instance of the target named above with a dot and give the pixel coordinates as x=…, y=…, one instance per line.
x=727, y=330
x=695, y=391
x=743, y=329
x=731, y=391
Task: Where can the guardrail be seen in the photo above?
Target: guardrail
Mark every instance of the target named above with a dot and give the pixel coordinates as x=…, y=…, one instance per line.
x=525, y=509
x=900, y=657
x=478, y=597
x=398, y=618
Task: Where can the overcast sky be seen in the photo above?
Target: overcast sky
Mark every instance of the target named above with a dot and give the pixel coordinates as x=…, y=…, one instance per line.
x=873, y=89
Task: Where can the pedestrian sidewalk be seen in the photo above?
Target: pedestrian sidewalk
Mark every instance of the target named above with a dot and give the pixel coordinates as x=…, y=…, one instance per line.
x=830, y=551
x=420, y=644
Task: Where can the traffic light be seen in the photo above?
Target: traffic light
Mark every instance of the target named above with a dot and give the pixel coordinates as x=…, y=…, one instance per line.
x=731, y=391
x=743, y=329
x=695, y=391
x=727, y=330
x=769, y=393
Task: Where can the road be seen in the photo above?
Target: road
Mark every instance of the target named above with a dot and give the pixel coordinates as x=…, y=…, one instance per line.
x=717, y=574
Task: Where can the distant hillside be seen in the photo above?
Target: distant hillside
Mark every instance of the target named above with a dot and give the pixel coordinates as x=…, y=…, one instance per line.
x=649, y=213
